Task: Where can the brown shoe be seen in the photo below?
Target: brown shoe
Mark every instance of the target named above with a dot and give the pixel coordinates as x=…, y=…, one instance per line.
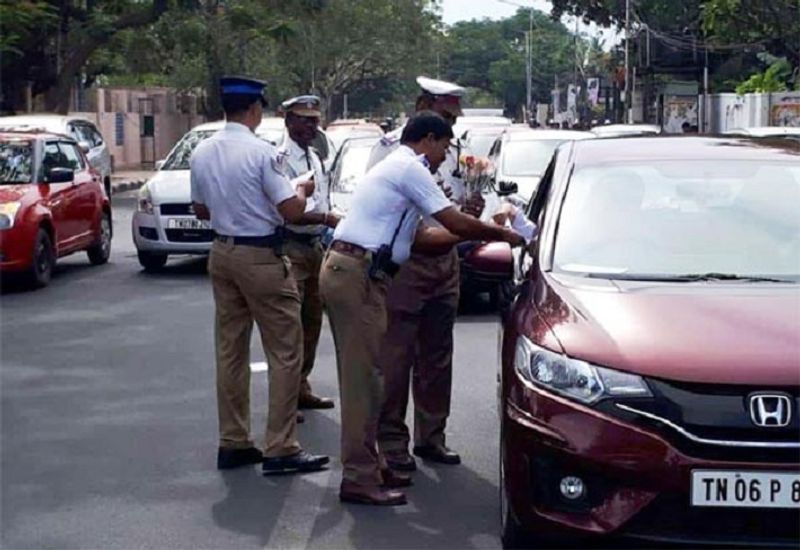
x=437, y=453
x=400, y=461
x=311, y=401
x=395, y=480
x=375, y=496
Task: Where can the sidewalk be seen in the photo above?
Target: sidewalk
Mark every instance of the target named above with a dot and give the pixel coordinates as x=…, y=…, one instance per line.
x=127, y=180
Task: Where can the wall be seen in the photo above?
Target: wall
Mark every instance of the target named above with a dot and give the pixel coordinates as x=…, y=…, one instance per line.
x=120, y=115
x=730, y=111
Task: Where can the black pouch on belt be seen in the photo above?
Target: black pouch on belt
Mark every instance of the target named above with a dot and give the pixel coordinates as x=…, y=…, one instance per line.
x=381, y=266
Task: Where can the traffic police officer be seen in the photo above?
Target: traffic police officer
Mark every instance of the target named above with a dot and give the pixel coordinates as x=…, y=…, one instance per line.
x=237, y=183
x=369, y=244
x=303, y=241
x=422, y=303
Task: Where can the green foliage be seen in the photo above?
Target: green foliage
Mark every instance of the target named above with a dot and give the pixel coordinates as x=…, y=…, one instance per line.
x=19, y=19
x=773, y=79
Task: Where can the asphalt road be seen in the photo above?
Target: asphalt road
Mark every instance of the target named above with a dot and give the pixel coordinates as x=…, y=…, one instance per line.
x=108, y=435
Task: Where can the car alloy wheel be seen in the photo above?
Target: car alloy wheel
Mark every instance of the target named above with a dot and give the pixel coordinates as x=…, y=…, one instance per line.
x=101, y=251
x=43, y=260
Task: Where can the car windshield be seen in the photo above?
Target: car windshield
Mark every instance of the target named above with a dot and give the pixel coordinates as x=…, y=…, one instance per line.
x=353, y=165
x=682, y=219
x=16, y=161
x=179, y=158
x=528, y=158
x=272, y=135
x=479, y=144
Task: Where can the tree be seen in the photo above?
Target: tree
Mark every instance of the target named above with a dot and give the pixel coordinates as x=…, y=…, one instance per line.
x=490, y=55
x=50, y=42
x=775, y=24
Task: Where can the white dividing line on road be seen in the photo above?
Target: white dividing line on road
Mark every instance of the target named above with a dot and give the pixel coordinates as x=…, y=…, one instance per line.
x=260, y=366
x=303, y=501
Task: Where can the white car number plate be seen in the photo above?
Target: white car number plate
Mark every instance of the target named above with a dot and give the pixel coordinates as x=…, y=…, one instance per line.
x=745, y=489
x=187, y=223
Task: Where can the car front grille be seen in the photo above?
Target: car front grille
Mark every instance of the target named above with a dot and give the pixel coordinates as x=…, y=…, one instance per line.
x=712, y=413
x=670, y=517
x=190, y=235
x=176, y=209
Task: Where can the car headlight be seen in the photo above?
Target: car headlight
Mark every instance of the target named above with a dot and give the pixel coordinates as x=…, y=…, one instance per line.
x=8, y=212
x=572, y=377
x=145, y=202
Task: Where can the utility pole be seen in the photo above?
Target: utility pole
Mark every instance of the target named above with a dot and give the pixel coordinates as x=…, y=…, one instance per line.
x=529, y=65
x=628, y=91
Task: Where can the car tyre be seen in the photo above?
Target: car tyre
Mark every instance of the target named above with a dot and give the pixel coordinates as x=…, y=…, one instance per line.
x=101, y=251
x=44, y=260
x=512, y=534
x=151, y=261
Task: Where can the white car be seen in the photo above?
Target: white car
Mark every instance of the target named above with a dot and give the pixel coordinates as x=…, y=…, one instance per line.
x=164, y=223
x=520, y=156
x=767, y=131
x=80, y=129
x=620, y=130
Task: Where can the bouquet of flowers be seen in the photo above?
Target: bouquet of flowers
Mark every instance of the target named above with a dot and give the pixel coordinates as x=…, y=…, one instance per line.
x=477, y=173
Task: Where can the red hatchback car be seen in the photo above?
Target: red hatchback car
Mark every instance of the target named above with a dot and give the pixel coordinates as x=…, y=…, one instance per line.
x=52, y=203
x=650, y=362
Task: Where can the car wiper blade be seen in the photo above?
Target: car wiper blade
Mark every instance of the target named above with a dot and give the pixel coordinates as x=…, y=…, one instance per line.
x=686, y=278
x=731, y=277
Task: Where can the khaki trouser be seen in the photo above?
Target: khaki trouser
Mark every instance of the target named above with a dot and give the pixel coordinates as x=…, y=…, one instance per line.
x=422, y=303
x=357, y=312
x=306, y=264
x=254, y=284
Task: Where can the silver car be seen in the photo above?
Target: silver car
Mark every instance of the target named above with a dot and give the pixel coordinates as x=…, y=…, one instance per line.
x=80, y=129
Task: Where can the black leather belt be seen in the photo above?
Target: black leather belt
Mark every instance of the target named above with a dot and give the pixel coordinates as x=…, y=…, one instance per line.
x=303, y=238
x=267, y=241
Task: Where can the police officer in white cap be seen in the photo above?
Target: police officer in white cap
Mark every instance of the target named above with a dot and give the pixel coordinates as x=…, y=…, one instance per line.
x=303, y=243
x=238, y=183
x=422, y=303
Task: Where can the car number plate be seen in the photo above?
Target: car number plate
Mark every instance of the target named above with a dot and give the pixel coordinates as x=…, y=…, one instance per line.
x=745, y=489
x=187, y=223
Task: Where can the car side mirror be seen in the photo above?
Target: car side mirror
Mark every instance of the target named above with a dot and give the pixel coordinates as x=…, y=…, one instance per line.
x=60, y=175
x=85, y=146
x=505, y=188
x=160, y=164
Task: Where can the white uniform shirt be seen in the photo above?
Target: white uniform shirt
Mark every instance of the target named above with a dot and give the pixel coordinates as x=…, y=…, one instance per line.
x=402, y=182
x=238, y=177
x=444, y=175
x=297, y=162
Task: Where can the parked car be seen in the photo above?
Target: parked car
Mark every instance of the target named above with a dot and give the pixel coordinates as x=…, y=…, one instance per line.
x=348, y=169
x=464, y=123
x=52, y=204
x=82, y=130
x=338, y=134
x=164, y=223
x=620, y=130
x=521, y=155
x=790, y=132
x=649, y=385
x=479, y=140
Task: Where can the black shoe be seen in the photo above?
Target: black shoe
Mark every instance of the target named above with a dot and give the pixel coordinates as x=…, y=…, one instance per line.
x=301, y=461
x=437, y=453
x=300, y=417
x=228, y=459
x=400, y=461
x=311, y=401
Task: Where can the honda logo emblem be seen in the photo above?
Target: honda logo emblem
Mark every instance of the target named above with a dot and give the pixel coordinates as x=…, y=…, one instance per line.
x=770, y=410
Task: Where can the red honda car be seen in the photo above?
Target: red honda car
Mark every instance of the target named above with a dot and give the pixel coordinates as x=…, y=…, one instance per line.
x=650, y=371
x=52, y=203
